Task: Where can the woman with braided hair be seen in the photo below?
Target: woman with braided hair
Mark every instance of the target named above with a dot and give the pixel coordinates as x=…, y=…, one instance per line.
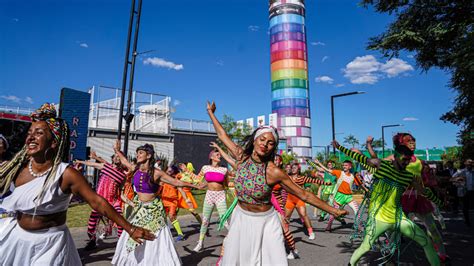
x=33, y=231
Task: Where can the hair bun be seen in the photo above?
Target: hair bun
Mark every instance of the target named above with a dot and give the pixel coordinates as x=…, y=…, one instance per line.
x=45, y=112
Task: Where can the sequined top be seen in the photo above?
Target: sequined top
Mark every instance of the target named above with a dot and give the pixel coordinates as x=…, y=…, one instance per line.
x=143, y=184
x=251, y=184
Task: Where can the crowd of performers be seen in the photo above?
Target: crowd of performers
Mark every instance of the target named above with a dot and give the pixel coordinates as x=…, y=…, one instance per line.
x=139, y=196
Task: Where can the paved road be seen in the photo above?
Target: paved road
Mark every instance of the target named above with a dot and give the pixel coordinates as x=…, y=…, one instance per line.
x=327, y=249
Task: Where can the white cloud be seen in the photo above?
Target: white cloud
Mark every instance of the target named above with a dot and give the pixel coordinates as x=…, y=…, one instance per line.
x=220, y=62
x=160, y=62
x=367, y=70
x=395, y=66
x=176, y=102
x=339, y=85
x=84, y=45
x=11, y=98
x=253, y=28
x=318, y=43
x=410, y=119
x=15, y=20
x=324, y=58
x=324, y=79
x=29, y=100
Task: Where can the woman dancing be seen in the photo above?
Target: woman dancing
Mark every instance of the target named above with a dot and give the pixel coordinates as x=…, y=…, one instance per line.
x=148, y=212
x=255, y=236
x=185, y=197
x=216, y=178
x=34, y=231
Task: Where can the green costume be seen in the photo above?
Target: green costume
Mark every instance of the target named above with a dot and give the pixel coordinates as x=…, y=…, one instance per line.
x=385, y=210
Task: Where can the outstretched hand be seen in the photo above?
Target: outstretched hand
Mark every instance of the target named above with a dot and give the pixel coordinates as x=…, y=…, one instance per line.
x=93, y=155
x=335, y=144
x=211, y=107
x=214, y=145
x=139, y=234
x=117, y=145
x=341, y=213
x=370, y=139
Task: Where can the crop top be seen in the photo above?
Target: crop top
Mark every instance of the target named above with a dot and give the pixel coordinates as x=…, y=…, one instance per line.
x=143, y=183
x=214, y=174
x=251, y=183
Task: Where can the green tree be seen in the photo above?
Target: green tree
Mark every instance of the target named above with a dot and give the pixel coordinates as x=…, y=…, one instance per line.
x=288, y=157
x=236, y=132
x=376, y=144
x=441, y=34
x=351, y=140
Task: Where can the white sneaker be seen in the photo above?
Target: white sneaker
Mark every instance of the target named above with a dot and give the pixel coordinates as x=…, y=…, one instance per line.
x=312, y=236
x=103, y=236
x=198, y=247
x=293, y=255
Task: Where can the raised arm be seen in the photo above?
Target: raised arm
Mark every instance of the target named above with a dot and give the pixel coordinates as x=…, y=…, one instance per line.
x=74, y=182
x=226, y=156
x=361, y=158
x=123, y=159
x=235, y=150
x=370, y=149
x=96, y=165
x=318, y=164
x=94, y=156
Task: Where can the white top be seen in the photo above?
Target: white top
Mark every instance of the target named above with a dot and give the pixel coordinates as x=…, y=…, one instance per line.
x=468, y=175
x=23, y=197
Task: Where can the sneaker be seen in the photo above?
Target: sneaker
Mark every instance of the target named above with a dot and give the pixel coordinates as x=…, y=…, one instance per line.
x=179, y=238
x=103, y=236
x=91, y=245
x=293, y=255
x=312, y=236
x=198, y=247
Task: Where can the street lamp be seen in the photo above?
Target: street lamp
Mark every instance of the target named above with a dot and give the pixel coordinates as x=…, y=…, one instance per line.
x=332, y=111
x=383, y=137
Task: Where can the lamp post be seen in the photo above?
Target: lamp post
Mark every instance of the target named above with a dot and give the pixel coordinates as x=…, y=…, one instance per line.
x=135, y=11
x=332, y=111
x=383, y=137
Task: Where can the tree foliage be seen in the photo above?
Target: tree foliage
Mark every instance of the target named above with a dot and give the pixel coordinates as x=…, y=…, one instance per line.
x=288, y=157
x=376, y=144
x=235, y=131
x=441, y=34
x=351, y=140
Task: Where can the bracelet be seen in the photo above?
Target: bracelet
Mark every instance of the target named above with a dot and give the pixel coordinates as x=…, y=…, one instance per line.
x=134, y=228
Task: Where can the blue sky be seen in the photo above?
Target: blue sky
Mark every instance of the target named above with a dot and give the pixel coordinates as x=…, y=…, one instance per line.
x=220, y=50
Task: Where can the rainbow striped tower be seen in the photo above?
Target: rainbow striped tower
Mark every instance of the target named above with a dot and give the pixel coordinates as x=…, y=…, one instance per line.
x=289, y=68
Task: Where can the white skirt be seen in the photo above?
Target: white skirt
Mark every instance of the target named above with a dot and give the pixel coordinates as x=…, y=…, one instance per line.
x=160, y=251
x=254, y=239
x=52, y=246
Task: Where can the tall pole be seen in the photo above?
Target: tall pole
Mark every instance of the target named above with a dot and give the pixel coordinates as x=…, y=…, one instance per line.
x=383, y=137
x=125, y=70
x=333, y=126
x=332, y=112
x=129, y=116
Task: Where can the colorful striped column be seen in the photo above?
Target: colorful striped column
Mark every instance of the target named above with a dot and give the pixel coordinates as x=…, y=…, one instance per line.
x=289, y=71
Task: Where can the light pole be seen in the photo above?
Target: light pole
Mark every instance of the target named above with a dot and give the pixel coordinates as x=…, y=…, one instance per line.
x=332, y=112
x=383, y=137
x=135, y=11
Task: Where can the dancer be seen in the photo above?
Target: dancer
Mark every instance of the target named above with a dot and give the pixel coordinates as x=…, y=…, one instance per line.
x=325, y=191
x=255, y=236
x=216, y=178
x=34, y=231
x=413, y=204
x=3, y=149
x=111, y=179
x=294, y=201
x=385, y=210
x=169, y=196
x=148, y=212
x=185, y=197
x=343, y=189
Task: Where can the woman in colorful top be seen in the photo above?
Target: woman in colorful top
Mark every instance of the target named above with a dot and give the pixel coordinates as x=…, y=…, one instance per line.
x=148, y=213
x=185, y=197
x=33, y=231
x=255, y=236
x=391, y=179
x=216, y=179
x=414, y=204
x=294, y=201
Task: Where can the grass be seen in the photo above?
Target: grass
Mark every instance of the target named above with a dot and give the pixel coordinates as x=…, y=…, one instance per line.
x=78, y=215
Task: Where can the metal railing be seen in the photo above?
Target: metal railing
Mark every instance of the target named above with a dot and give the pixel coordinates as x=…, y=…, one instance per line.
x=192, y=125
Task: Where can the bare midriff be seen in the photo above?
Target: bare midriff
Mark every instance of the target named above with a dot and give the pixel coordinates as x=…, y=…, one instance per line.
x=215, y=186
x=38, y=222
x=255, y=208
x=146, y=197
